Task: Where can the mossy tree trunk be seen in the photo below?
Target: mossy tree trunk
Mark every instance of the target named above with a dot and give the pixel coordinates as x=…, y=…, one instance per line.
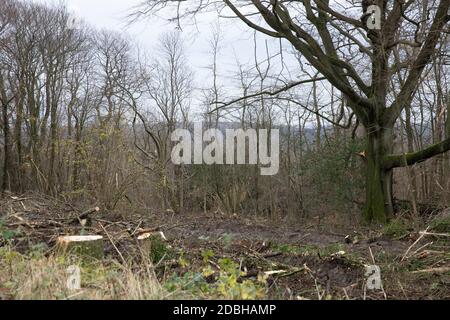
x=379, y=194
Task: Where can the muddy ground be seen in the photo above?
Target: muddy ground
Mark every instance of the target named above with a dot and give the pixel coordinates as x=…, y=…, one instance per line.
x=300, y=261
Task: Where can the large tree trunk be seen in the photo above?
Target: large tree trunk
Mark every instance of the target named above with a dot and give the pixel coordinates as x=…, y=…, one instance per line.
x=379, y=196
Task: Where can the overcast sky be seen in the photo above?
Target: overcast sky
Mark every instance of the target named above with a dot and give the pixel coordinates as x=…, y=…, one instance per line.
x=236, y=44
x=111, y=14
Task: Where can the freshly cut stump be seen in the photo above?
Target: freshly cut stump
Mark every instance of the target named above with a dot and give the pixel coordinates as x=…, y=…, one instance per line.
x=84, y=246
x=152, y=245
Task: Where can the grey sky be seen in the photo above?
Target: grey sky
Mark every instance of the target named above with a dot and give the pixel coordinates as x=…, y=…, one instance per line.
x=237, y=39
x=111, y=14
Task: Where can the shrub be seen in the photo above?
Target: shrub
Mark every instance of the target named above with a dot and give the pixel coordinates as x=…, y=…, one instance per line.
x=396, y=228
x=334, y=174
x=441, y=224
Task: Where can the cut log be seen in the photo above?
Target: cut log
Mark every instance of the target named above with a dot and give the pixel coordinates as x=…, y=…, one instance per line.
x=149, y=234
x=84, y=246
x=86, y=214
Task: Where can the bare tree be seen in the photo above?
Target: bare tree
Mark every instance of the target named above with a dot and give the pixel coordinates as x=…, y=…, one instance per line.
x=6, y=98
x=336, y=40
x=160, y=96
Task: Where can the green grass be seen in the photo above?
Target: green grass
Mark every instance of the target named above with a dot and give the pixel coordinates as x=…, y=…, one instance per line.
x=308, y=250
x=441, y=224
x=36, y=277
x=396, y=229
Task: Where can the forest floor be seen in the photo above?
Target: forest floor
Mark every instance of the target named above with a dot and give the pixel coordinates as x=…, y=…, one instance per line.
x=206, y=256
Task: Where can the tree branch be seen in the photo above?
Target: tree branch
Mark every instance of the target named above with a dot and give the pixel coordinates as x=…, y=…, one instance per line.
x=406, y=94
x=268, y=93
x=408, y=159
x=313, y=52
x=250, y=23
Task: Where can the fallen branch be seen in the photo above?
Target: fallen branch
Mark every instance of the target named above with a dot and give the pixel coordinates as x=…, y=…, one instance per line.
x=272, y=255
x=292, y=272
x=113, y=244
x=22, y=221
x=84, y=215
x=141, y=232
x=424, y=233
x=433, y=270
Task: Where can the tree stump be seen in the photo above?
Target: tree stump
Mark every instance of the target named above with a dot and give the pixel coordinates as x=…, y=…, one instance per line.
x=152, y=245
x=84, y=246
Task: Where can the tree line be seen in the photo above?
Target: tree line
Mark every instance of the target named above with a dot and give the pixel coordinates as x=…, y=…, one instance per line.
x=85, y=112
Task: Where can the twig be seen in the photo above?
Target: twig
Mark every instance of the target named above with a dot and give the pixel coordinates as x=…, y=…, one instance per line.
x=403, y=290
x=433, y=270
x=421, y=248
x=346, y=295
x=422, y=234
x=272, y=255
x=74, y=295
x=113, y=244
x=434, y=234
x=371, y=254
x=22, y=221
x=140, y=232
x=84, y=215
x=135, y=229
x=291, y=273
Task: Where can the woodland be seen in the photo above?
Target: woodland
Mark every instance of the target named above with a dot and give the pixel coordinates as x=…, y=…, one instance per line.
x=87, y=180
